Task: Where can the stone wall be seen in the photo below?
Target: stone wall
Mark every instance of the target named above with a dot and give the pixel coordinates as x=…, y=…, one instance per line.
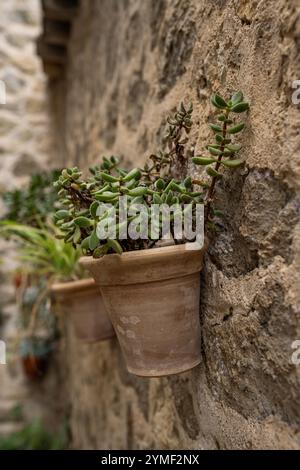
x=26, y=146
x=130, y=63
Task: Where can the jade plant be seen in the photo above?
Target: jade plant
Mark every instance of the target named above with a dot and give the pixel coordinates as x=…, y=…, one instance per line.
x=222, y=152
x=156, y=183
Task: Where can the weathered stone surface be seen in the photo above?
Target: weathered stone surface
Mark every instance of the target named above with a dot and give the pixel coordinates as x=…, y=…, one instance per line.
x=130, y=63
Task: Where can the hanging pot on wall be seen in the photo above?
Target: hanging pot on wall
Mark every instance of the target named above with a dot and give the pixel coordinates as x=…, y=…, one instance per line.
x=152, y=298
x=82, y=301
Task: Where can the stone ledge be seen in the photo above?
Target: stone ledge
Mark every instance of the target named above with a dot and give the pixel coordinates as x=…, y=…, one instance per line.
x=52, y=45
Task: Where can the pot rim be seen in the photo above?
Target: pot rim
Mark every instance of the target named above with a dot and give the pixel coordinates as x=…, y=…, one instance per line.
x=164, y=372
x=148, y=252
x=149, y=265
x=70, y=287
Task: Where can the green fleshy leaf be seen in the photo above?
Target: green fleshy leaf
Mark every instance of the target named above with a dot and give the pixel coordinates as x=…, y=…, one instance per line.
x=234, y=147
x=203, y=160
x=214, y=146
x=170, y=197
x=232, y=163
x=62, y=214
x=77, y=235
x=177, y=187
x=228, y=152
x=93, y=209
x=83, y=222
x=240, y=107
x=107, y=177
x=85, y=243
x=160, y=184
x=218, y=102
x=218, y=213
x=188, y=182
x=219, y=138
x=93, y=240
x=237, y=97
x=139, y=191
x=215, y=128
x=214, y=173
x=115, y=245
x=133, y=174
x=157, y=199
x=214, y=151
x=106, y=196
x=236, y=129
x=101, y=251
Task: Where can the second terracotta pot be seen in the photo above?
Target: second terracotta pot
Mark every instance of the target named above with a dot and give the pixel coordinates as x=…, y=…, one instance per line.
x=152, y=297
x=82, y=300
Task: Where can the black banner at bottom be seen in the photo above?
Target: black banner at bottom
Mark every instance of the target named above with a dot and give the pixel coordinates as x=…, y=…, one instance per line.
x=134, y=459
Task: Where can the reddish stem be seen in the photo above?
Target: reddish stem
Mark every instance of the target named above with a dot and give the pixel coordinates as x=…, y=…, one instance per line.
x=211, y=191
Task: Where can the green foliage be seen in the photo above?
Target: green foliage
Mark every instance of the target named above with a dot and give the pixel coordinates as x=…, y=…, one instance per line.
x=34, y=202
x=42, y=252
x=144, y=186
x=34, y=436
x=15, y=414
x=155, y=183
x=224, y=146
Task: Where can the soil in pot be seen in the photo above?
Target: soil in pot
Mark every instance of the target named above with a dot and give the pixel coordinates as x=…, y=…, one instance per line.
x=152, y=297
x=82, y=300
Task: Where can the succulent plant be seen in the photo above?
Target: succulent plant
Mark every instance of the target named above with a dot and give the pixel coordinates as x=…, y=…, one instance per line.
x=155, y=183
x=222, y=152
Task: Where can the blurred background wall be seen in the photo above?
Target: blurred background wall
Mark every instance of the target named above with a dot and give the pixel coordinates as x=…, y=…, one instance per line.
x=26, y=147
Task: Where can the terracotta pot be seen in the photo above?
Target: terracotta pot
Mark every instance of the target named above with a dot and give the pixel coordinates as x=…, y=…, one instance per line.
x=152, y=297
x=82, y=300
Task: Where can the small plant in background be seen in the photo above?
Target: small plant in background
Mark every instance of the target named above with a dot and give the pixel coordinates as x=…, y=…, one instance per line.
x=43, y=259
x=34, y=436
x=153, y=184
x=41, y=252
x=32, y=204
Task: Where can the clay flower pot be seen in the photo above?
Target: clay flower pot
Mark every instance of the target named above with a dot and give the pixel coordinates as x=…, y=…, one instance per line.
x=83, y=302
x=152, y=297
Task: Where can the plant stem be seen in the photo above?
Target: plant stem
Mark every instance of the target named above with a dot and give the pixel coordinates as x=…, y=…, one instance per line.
x=211, y=190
